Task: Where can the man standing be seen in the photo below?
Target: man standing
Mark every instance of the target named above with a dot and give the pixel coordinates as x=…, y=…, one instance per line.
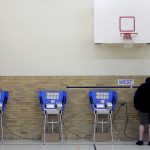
x=142, y=105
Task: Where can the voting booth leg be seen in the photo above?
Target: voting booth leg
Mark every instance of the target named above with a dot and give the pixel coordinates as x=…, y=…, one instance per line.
x=94, y=127
x=111, y=128
x=102, y=123
x=52, y=122
x=61, y=129
x=2, y=128
x=44, y=128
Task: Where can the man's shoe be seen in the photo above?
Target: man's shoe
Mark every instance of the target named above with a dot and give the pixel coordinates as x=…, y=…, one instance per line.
x=149, y=143
x=139, y=143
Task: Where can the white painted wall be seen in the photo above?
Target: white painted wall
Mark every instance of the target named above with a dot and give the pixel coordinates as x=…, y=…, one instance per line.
x=56, y=37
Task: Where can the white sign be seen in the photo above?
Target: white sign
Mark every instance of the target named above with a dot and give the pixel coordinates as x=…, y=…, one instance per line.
x=102, y=95
x=52, y=95
x=126, y=82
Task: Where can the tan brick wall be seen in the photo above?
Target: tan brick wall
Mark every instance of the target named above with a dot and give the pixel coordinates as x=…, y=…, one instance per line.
x=24, y=116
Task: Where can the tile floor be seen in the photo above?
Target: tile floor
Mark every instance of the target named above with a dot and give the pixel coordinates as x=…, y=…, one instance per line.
x=74, y=146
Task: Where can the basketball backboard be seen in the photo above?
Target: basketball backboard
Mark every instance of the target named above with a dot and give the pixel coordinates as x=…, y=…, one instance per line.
x=115, y=17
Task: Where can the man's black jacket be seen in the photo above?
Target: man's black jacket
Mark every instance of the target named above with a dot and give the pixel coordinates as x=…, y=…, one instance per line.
x=142, y=98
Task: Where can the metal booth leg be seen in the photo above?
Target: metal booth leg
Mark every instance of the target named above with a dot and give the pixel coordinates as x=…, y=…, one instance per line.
x=94, y=127
x=52, y=122
x=61, y=129
x=112, y=138
x=109, y=122
x=45, y=120
x=2, y=127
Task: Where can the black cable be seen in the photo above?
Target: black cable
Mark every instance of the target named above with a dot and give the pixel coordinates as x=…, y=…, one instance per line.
x=39, y=140
x=85, y=137
x=127, y=119
x=126, y=112
x=94, y=146
x=73, y=132
x=16, y=134
x=116, y=113
x=113, y=122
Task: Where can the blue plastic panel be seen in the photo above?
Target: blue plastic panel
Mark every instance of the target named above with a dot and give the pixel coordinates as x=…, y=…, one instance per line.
x=102, y=97
x=52, y=97
x=3, y=99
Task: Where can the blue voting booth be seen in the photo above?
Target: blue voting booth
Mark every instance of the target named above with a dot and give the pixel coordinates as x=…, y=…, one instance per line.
x=102, y=103
x=3, y=101
x=103, y=100
x=53, y=103
x=52, y=100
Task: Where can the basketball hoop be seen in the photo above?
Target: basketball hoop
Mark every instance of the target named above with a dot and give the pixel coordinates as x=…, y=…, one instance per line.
x=128, y=35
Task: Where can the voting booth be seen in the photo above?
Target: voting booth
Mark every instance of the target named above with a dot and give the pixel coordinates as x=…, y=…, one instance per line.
x=52, y=104
x=102, y=103
x=3, y=101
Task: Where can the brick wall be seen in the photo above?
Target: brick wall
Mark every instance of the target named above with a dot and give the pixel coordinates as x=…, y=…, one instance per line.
x=24, y=117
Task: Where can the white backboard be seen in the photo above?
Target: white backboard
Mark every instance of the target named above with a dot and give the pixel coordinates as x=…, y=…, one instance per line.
x=114, y=16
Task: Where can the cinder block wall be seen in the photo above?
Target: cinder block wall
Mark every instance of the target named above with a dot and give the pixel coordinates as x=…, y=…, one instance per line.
x=24, y=117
